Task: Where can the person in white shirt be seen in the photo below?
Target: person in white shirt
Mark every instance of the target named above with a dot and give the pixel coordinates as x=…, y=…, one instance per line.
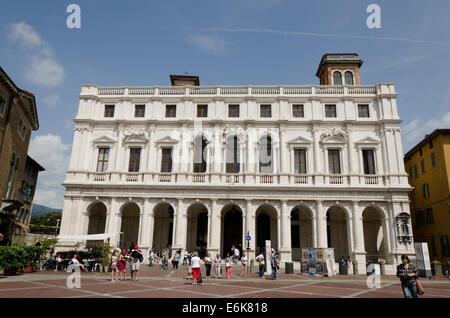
x=236, y=254
x=195, y=262
x=77, y=263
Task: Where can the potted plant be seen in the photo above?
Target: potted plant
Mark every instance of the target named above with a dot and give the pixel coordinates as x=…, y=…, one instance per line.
x=11, y=259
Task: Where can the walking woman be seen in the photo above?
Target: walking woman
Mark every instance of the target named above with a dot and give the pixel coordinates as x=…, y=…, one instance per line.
x=208, y=262
x=228, y=264
x=407, y=273
x=123, y=265
x=244, y=264
x=217, y=264
x=195, y=262
x=114, y=267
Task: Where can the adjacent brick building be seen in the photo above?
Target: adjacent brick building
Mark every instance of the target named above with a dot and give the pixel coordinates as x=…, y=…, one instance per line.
x=18, y=118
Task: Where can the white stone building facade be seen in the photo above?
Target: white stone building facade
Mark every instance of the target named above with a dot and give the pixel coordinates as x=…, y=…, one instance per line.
x=303, y=166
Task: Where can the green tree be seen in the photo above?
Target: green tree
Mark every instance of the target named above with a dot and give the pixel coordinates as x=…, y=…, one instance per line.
x=50, y=219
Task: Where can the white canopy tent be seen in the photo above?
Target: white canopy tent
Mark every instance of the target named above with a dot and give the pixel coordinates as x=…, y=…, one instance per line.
x=90, y=237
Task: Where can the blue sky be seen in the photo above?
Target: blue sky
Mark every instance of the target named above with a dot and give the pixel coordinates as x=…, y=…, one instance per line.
x=224, y=42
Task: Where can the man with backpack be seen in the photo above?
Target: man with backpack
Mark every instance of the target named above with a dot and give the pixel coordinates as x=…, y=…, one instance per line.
x=136, y=259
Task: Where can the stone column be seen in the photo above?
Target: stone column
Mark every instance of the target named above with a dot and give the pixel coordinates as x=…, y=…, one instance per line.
x=285, y=245
x=76, y=150
x=359, y=254
x=151, y=226
x=351, y=159
x=215, y=230
x=143, y=234
x=66, y=216
x=119, y=150
x=317, y=159
x=152, y=150
x=321, y=226
x=250, y=228
x=284, y=155
x=181, y=231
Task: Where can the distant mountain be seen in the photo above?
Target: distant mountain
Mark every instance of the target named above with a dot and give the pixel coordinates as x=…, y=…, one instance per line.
x=39, y=210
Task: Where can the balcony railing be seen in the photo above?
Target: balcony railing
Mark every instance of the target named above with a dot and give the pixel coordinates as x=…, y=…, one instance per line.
x=198, y=178
x=326, y=90
x=307, y=180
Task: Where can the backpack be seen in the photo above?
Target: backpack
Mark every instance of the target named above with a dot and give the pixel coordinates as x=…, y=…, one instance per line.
x=141, y=258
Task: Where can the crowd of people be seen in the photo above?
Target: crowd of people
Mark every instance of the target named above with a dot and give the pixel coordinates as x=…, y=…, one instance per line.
x=194, y=261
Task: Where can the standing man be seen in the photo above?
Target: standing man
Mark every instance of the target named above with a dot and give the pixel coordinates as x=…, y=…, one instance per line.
x=136, y=259
x=274, y=266
x=236, y=255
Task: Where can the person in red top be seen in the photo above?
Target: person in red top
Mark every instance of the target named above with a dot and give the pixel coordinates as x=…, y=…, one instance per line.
x=123, y=265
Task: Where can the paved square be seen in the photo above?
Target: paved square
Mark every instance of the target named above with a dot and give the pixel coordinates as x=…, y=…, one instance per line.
x=154, y=283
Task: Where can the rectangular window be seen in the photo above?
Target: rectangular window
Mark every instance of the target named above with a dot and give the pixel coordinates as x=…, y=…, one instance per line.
x=334, y=163
x=266, y=111
x=421, y=152
x=171, y=111
x=2, y=106
x=429, y=216
x=416, y=172
x=433, y=246
x=422, y=165
x=330, y=111
x=445, y=246
x=410, y=172
x=433, y=160
x=300, y=161
x=420, y=218
x=368, y=161
x=135, y=158
x=19, y=126
x=425, y=191
x=297, y=111
x=166, y=160
x=139, y=111
x=102, y=161
x=109, y=110
x=363, y=111
x=202, y=110
x=233, y=111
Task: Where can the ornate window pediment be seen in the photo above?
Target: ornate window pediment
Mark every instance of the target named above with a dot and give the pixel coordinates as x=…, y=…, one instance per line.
x=335, y=136
x=299, y=141
x=367, y=141
x=104, y=140
x=135, y=136
x=166, y=141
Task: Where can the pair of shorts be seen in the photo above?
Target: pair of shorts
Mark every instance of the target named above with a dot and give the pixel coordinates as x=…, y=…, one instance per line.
x=196, y=272
x=135, y=266
x=113, y=266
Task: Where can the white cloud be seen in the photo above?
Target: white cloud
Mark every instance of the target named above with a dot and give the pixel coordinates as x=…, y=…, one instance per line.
x=54, y=156
x=45, y=72
x=212, y=45
x=416, y=130
x=42, y=67
x=51, y=100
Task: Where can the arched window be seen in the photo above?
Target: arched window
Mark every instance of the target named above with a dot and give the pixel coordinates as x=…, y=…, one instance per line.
x=265, y=155
x=233, y=165
x=200, y=154
x=337, y=78
x=349, y=78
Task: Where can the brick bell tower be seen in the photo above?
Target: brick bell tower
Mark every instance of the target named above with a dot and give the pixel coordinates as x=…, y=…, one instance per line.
x=339, y=69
